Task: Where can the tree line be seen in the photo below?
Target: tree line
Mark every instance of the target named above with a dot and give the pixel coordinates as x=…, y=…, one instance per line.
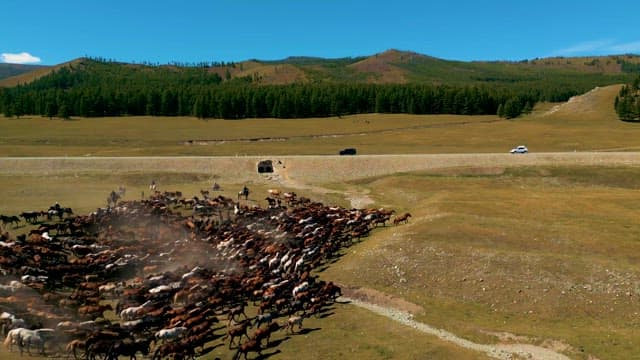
x=627, y=103
x=96, y=88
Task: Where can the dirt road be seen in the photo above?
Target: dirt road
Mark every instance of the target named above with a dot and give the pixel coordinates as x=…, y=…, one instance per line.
x=309, y=169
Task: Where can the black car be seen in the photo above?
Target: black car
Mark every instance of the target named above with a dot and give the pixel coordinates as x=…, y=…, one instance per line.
x=348, y=151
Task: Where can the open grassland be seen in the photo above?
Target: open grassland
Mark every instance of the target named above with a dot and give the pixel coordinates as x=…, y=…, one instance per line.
x=583, y=124
x=546, y=253
x=540, y=248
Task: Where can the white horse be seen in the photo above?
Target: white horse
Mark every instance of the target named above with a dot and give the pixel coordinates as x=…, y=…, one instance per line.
x=14, y=336
x=131, y=313
x=292, y=321
x=27, y=338
x=169, y=334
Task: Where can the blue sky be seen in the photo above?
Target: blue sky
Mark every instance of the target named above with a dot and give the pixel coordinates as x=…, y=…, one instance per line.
x=55, y=31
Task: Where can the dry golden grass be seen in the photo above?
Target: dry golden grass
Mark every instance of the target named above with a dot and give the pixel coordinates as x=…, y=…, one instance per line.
x=33, y=75
x=545, y=253
x=587, y=123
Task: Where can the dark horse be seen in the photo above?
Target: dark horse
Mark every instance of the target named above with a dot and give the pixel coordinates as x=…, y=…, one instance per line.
x=244, y=192
x=10, y=220
x=129, y=348
x=113, y=198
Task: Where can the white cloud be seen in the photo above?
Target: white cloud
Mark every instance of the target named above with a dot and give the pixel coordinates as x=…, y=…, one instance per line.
x=588, y=47
x=21, y=58
x=597, y=47
x=631, y=47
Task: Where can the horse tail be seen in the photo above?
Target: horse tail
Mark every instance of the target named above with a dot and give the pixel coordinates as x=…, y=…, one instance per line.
x=7, y=341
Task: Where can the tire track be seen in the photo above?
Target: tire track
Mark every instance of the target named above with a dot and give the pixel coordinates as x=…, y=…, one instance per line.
x=497, y=351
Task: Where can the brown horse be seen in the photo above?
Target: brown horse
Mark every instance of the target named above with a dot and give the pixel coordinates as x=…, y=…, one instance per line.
x=237, y=331
x=265, y=332
x=245, y=348
x=93, y=311
x=404, y=218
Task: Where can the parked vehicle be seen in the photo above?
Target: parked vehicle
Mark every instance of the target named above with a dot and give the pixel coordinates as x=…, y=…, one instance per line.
x=521, y=149
x=348, y=151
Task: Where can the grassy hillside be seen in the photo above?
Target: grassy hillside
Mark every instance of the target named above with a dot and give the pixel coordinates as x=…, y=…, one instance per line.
x=32, y=73
x=9, y=70
x=394, y=66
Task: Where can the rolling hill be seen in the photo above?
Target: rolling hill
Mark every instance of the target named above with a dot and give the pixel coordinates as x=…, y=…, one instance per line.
x=391, y=66
x=13, y=70
x=301, y=87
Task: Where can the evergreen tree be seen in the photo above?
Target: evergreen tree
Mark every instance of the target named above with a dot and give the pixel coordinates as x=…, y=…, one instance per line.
x=63, y=111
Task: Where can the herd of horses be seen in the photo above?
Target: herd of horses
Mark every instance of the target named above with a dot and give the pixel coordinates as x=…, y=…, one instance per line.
x=139, y=277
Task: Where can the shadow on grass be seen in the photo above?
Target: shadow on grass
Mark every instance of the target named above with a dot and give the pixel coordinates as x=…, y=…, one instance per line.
x=322, y=316
x=268, y=355
x=276, y=343
x=305, y=331
x=209, y=349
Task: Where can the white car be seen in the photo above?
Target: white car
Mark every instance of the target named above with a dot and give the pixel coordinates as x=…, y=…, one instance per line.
x=520, y=150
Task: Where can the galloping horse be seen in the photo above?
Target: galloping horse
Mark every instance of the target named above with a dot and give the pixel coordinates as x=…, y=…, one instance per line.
x=129, y=348
x=401, y=218
x=10, y=220
x=169, y=334
x=274, y=192
x=272, y=202
x=31, y=216
x=26, y=338
x=244, y=348
x=293, y=321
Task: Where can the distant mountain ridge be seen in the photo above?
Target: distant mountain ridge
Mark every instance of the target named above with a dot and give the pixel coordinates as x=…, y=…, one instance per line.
x=9, y=70
x=388, y=67
x=300, y=87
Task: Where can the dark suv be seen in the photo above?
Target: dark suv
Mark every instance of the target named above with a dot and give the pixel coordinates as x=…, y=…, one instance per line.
x=348, y=151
